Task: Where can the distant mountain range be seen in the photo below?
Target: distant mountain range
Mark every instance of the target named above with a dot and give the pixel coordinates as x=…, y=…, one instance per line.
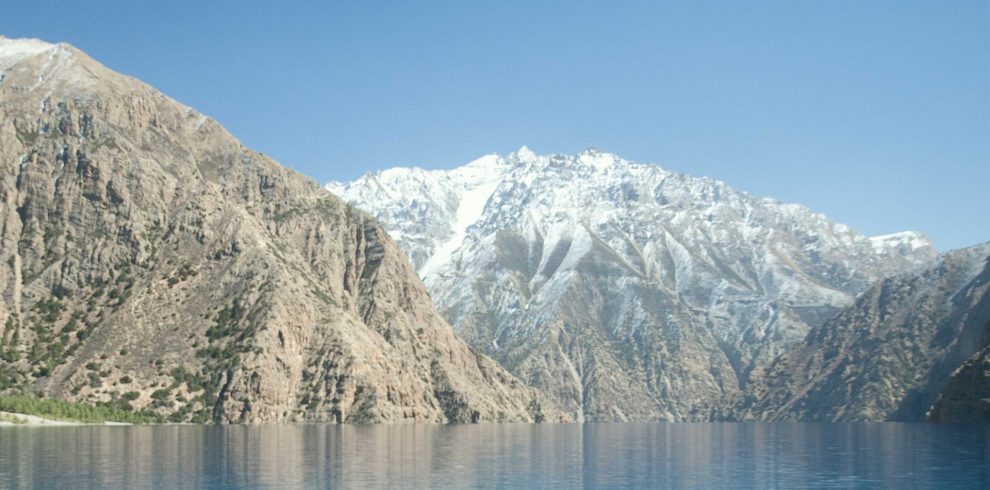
x=151, y=262
x=623, y=290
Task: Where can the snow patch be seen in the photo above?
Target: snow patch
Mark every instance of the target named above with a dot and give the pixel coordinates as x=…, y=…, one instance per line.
x=525, y=154
x=469, y=210
x=596, y=159
x=489, y=160
x=719, y=252
x=911, y=239
x=12, y=50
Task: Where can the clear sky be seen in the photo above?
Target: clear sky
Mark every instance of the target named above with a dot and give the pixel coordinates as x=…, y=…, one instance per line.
x=874, y=113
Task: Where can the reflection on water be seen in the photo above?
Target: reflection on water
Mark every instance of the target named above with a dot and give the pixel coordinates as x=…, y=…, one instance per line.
x=571, y=455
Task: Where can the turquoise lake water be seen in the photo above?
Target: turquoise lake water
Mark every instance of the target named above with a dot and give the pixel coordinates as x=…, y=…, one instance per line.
x=868, y=455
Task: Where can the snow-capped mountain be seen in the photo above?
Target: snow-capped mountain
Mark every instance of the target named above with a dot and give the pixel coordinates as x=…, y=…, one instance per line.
x=626, y=291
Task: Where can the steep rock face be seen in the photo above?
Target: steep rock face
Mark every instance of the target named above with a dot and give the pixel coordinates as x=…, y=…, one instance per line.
x=889, y=355
x=966, y=397
x=626, y=291
x=151, y=261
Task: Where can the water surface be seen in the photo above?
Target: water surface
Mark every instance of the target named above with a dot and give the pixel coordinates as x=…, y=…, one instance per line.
x=509, y=455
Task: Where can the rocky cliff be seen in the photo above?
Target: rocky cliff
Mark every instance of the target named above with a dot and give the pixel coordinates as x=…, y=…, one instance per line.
x=966, y=396
x=890, y=354
x=151, y=261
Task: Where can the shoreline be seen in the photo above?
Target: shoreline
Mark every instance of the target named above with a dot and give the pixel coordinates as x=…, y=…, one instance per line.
x=13, y=419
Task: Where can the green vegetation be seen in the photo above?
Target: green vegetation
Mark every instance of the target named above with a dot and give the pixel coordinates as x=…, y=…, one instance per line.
x=13, y=327
x=282, y=215
x=49, y=309
x=27, y=137
x=228, y=339
x=160, y=398
x=13, y=419
x=234, y=322
x=77, y=412
x=324, y=296
x=122, y=290
x=9, y=377
x=106, y=142
x=185, y=271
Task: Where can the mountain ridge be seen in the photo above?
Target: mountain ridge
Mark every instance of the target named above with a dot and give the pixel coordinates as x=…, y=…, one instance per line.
x=648, y=248
x=891, y=354
x=153, y=262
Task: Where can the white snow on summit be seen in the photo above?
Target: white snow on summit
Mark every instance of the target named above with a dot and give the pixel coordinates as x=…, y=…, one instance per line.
x=437, y=214
x=548, y=262
x=28, y=64
x=910, y=239
x=470, y=205
x=511, y=246
x=16, y=49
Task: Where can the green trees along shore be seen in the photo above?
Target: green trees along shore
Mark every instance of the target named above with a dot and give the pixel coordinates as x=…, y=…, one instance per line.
x=76, y=412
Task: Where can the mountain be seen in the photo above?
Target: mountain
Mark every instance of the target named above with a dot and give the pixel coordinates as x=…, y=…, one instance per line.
x=625, y=291
x=966, y=396
x=889, y=355
x=150, y=261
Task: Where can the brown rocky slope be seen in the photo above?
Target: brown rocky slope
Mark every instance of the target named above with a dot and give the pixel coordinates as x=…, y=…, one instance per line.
x=890, y=354
x=151, y=261
x=966, y=397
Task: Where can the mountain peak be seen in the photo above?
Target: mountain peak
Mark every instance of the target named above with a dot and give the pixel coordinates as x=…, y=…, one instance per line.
x=592, y=157
x=604, y=253
x=485, y=161
x=24, y=44
x=597, y=158
x=27, y=64
x=524, y=154
x=13, y=50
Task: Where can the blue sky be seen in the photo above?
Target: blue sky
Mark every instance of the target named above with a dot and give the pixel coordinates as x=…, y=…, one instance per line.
x=874, y=113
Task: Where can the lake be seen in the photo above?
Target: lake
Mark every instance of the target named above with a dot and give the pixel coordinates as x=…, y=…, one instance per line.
x=510, y=455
